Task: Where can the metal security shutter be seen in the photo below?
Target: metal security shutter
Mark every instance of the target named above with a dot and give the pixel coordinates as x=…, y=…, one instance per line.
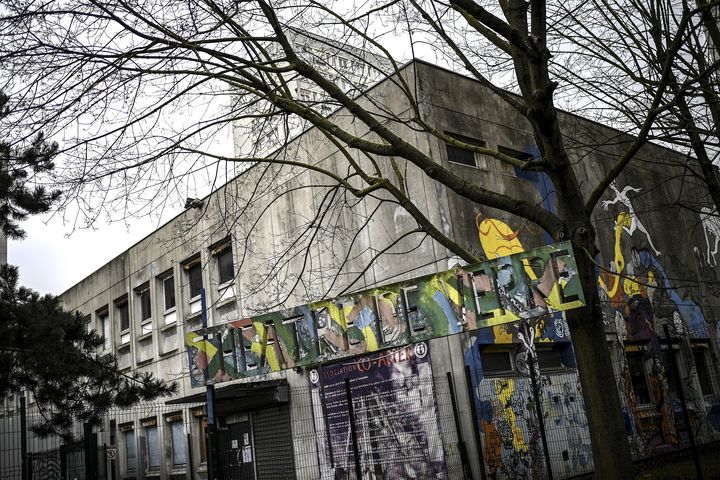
x=273, y=443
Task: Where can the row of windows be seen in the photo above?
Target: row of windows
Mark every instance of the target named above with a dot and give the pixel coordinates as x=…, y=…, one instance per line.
x=499, y=360
x=642, y=370
x=174, y=437
x=165, y=292
x=141, y=449
x=469, y=158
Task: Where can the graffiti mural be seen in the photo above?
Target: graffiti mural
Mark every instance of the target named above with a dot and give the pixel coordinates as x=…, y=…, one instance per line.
x=711, y=227
x=633, y=222
x=506, y=411
x=526, y=284
x=640, y=298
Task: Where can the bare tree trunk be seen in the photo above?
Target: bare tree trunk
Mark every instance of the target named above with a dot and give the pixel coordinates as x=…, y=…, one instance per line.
x=611, y=452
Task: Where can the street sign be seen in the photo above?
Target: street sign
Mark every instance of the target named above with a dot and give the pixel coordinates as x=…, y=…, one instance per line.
x=111, y=452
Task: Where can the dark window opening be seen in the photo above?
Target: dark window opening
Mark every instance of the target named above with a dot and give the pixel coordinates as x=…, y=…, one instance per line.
x=145, y=309
x=496, y=362
x=550, y=359
x=226, y=270
x=104, y=327
x=702, y=371
x=638, y=377
x=195, y=279
x=169, y=292
x=124, y=315
x=462, y=156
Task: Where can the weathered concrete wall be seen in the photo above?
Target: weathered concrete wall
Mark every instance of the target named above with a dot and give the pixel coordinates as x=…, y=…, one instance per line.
x=297, y=238
x=655, y=228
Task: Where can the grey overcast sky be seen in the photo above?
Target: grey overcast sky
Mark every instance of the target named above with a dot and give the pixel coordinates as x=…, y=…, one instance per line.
x=52, y=262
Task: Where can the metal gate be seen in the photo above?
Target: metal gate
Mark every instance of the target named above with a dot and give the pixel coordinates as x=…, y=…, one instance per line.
x=236, y=451
x=63, y=463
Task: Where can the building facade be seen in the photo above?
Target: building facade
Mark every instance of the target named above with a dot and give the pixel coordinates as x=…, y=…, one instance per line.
x=432, y=409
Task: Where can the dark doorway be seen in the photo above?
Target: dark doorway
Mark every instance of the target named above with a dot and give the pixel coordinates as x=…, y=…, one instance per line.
x=236, y=450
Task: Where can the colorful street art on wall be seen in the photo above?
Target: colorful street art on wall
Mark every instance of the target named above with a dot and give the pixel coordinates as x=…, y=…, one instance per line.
x=639, y=298
x=639, y=295
x=505, y=289
x=636, y=278
x=396, y=417
x=711, y=228
x=506, y=411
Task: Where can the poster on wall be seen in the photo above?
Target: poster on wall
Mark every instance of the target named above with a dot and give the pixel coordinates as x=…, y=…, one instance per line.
x=395, y=413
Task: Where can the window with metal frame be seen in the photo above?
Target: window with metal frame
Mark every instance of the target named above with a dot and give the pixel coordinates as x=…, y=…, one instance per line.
x=103, y=316
x=121, y=306
x=497, y=360
x=168, y=286
x=223, y=254
x=152, y=454
x=177, y=440
x=465, y=157
x=638, y=376
x=129, y=446
x=193, y=271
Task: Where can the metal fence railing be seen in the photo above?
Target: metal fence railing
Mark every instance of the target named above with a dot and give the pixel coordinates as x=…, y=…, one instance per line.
x=406, y=427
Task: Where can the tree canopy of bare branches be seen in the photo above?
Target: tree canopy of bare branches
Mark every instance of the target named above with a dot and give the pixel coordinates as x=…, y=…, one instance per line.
x=138, y=93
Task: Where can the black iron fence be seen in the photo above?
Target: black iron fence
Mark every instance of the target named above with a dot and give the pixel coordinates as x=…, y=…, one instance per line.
x=24, y=456
x=406, y=427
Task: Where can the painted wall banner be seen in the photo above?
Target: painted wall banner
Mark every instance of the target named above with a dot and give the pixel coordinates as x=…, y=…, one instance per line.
x=395, y=416
x=522, y=285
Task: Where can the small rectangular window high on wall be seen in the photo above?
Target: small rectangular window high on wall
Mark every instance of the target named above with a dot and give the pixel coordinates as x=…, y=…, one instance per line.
x=193, y=274
x=223, y=254
x=145, y=308
x=122, y=311
x=457, y=154
x=169, y=292
x=103, y=316
x=165, y=288
x=192, y=287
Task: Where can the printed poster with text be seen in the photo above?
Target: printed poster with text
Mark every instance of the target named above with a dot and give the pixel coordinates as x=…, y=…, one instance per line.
x=395, y=414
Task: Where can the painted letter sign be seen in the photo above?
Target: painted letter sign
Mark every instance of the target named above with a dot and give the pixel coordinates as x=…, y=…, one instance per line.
x=524, y=285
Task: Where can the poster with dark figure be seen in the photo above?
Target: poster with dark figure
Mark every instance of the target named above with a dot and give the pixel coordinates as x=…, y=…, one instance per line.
x=396, y=426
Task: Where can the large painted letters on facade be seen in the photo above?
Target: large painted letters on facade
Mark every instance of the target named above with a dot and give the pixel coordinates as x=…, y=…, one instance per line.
x=505, y=289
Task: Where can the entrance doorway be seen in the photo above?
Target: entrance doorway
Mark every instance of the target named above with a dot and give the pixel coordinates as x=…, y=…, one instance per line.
x=236, y=449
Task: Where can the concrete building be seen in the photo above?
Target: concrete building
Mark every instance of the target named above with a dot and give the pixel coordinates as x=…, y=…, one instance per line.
x=257, y=245
x=260, y=128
